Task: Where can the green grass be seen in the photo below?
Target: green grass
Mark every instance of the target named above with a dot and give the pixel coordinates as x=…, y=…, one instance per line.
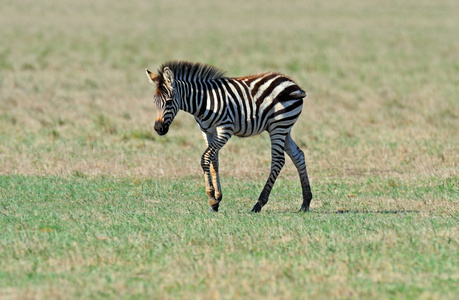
x=111, y=237
x=94, y=204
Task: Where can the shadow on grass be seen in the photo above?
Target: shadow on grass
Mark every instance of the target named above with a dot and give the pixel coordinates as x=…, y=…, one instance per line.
x=362, y=211
x=351, y=211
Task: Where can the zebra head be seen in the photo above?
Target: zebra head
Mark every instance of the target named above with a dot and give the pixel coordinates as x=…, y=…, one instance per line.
x=167, y=103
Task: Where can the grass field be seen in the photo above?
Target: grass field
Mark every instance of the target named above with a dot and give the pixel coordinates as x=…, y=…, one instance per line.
x=93, y=204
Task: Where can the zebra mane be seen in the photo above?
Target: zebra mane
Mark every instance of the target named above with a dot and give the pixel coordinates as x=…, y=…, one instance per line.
x=182, y=69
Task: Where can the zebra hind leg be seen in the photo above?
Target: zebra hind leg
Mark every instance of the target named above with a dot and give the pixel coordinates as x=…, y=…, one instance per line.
x=277, y=162
x=297, y=156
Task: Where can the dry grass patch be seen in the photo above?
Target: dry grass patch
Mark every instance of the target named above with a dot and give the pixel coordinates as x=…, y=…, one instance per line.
x=381, y=95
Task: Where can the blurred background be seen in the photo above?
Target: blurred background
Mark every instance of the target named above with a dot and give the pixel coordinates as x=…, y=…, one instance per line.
x=382, y=79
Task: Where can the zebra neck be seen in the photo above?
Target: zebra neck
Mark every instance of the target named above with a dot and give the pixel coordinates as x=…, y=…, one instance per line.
x=193, y=97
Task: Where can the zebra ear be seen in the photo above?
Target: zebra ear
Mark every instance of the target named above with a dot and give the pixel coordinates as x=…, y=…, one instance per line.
x=152, y=76
x=168, y=77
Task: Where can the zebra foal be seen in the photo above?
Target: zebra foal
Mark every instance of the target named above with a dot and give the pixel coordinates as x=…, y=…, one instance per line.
x=223, y=107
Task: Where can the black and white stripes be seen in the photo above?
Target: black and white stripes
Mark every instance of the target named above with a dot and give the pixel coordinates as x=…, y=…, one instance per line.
x=223, y=107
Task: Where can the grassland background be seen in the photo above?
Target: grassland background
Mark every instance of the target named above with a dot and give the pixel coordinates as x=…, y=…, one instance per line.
x=88, y=190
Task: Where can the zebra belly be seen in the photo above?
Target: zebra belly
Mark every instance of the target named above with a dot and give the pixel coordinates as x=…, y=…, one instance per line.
x=248, y=133
x=245, y=127
x=268, y=116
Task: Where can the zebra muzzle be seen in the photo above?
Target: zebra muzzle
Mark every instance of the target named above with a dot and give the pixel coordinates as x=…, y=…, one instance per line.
x=161, y=128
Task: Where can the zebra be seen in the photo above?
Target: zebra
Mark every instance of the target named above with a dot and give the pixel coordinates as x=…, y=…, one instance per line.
x=225, y=106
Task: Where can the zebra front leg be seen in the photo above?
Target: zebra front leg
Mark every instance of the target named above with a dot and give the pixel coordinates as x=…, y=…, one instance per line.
x=297, y=156
x=216, y=178
x=209, y=162
x=209, y=174
x=277, y=162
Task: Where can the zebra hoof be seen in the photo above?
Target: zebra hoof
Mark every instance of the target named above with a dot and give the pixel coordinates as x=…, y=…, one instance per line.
x=303, y=209
x=256, y=208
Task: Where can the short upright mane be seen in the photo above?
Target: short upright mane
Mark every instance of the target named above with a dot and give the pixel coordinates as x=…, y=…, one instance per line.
x=183, y=69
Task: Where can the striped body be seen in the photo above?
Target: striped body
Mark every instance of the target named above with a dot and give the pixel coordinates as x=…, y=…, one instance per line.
x=224, y=107
x=251, y=104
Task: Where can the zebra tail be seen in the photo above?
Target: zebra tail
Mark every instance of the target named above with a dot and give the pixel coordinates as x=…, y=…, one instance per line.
x=298, y=94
